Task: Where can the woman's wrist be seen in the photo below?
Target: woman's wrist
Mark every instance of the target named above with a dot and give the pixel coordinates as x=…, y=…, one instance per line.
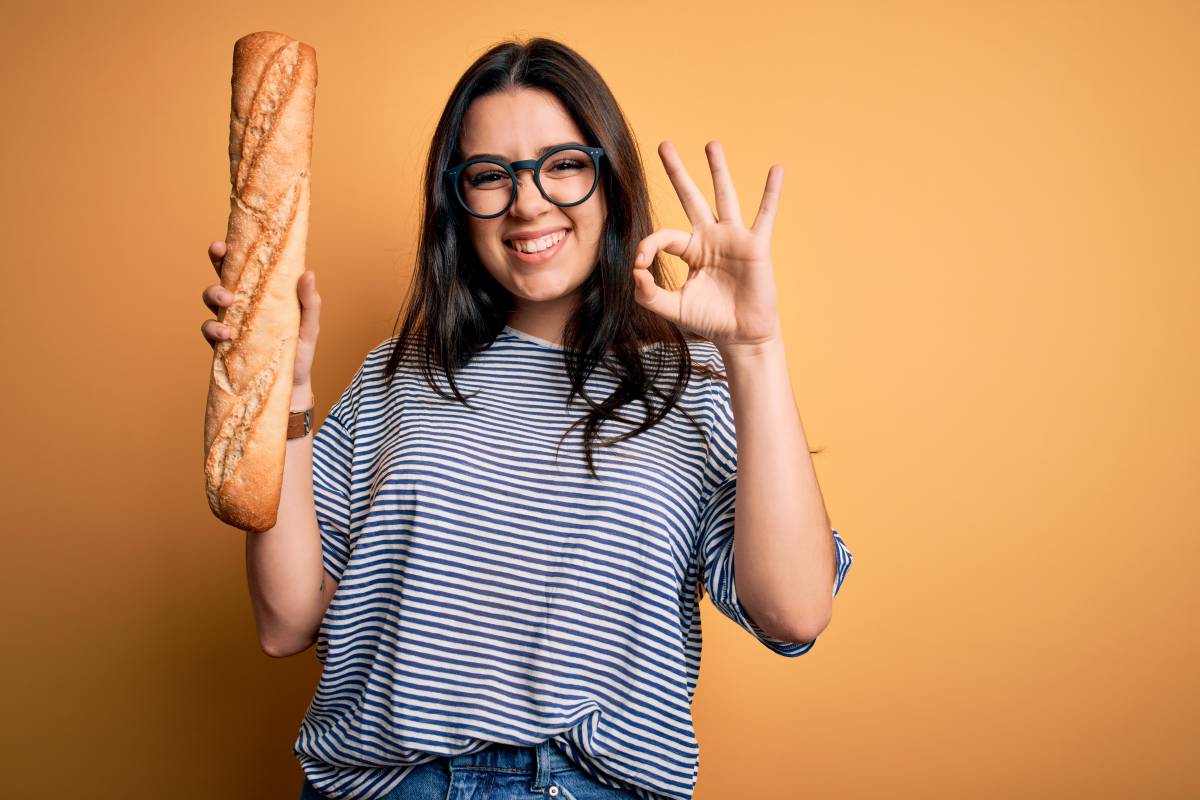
x=302, y=397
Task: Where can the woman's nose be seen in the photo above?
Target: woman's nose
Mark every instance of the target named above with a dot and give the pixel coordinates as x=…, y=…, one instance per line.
x=529, y=200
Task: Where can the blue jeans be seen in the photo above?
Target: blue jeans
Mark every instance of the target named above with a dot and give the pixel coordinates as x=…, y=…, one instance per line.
x=499, y=772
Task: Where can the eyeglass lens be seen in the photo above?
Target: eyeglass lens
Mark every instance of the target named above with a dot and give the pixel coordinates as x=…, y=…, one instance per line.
x=566, y=177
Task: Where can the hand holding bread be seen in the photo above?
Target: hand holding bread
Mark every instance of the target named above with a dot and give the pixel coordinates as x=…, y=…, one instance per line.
x=216, y=297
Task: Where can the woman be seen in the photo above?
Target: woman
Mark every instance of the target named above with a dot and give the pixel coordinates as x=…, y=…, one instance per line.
x=520, y=498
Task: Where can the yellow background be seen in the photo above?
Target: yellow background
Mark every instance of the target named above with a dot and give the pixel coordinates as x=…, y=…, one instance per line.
x=987, y=260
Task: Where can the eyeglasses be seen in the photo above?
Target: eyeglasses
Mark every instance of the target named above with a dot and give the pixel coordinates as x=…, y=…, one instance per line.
x=566, y=175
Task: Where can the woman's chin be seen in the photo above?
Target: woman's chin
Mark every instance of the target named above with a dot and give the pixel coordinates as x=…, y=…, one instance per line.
x=541, y=288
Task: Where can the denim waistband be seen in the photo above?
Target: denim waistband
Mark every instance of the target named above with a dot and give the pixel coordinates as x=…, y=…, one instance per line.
x=539, y=760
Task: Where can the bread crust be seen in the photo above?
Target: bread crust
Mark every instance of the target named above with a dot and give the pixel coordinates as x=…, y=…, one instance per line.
x=270, y=145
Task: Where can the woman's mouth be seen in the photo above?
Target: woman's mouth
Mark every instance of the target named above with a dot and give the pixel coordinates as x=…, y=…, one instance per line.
x=536, y=251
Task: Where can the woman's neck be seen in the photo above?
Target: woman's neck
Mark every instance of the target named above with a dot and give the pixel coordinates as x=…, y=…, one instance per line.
x=544, y=320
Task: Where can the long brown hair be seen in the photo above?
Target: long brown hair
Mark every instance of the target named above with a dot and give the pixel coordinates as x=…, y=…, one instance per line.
x=455, y=308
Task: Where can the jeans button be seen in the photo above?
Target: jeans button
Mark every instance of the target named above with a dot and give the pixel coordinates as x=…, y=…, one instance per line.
x=554, y=791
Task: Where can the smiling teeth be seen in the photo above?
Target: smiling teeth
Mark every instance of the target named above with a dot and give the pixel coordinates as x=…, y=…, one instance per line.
x=537, y=245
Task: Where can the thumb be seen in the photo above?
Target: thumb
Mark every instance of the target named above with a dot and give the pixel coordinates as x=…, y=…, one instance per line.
x=310, y=304
x=306, y=289
x=650, y=295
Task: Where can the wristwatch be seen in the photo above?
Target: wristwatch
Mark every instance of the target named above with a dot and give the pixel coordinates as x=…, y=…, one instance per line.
x=299, y=423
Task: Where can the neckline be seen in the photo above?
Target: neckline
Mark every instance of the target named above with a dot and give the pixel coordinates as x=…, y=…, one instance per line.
x=529, y=337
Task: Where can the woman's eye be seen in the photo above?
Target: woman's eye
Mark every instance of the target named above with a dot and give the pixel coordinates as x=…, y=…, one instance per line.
x=485, y=177
x=568, y=163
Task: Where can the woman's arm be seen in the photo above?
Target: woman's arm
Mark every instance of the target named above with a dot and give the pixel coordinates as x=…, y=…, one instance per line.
x=289, y=586
x=783, y=545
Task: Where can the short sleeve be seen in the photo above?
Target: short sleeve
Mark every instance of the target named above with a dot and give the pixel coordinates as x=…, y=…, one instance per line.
x=332, y=464
x=717, y=566
x=716, y=522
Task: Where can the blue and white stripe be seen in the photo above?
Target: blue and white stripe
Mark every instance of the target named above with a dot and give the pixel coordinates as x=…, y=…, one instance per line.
x=491, y=590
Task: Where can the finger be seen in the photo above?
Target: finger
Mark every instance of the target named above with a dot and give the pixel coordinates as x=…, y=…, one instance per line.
x=666, y=239
x=217, y=297
x=728, y=209
x=216, y=254
x=310, y=306
x=693, y=201
x=664, y=302
x=214, y=331
x=764, y=222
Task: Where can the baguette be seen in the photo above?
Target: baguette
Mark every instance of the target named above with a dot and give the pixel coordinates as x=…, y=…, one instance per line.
x=270, y=145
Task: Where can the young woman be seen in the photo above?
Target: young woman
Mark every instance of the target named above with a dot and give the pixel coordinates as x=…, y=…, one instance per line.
x=516, y=504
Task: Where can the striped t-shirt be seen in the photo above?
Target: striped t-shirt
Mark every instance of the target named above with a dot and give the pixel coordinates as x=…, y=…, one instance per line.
x=490, y=592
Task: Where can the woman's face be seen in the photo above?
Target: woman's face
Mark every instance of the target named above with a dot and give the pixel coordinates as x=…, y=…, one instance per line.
x=515, y=125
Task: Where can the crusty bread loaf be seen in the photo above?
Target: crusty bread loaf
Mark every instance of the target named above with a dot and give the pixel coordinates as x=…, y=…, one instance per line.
x=270, y=144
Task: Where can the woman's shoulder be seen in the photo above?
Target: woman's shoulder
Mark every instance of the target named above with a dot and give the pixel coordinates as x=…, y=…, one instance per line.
x=371, y=368
x=705, y=352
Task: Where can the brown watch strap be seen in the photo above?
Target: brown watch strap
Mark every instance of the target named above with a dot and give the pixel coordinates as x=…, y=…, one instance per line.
x=299, y=423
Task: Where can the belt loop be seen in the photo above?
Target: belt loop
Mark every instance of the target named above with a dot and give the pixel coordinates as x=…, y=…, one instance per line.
x=542, y=778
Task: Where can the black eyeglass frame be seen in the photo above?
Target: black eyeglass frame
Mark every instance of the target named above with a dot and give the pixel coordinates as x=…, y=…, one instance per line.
x=535, y=165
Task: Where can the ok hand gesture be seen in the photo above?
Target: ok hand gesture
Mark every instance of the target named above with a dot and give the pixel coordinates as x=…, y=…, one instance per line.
x=729, y=295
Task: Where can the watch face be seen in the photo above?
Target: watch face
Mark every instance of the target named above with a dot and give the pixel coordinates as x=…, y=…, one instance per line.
x=295, y=430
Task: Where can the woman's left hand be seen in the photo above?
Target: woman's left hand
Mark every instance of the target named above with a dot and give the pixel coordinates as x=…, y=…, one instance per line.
x=729, y=295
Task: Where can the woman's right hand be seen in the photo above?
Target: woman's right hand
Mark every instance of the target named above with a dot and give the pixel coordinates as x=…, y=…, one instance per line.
x=218, y=298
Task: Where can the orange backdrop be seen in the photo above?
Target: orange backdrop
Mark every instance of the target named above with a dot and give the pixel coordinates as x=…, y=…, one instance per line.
x=987, y=258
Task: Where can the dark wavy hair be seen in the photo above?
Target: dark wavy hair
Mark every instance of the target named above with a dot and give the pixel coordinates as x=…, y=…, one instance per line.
x=455, y=308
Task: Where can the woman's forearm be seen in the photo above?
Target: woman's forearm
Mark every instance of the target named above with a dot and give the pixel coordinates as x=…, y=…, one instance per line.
x=783, y=543
x=289, y=588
